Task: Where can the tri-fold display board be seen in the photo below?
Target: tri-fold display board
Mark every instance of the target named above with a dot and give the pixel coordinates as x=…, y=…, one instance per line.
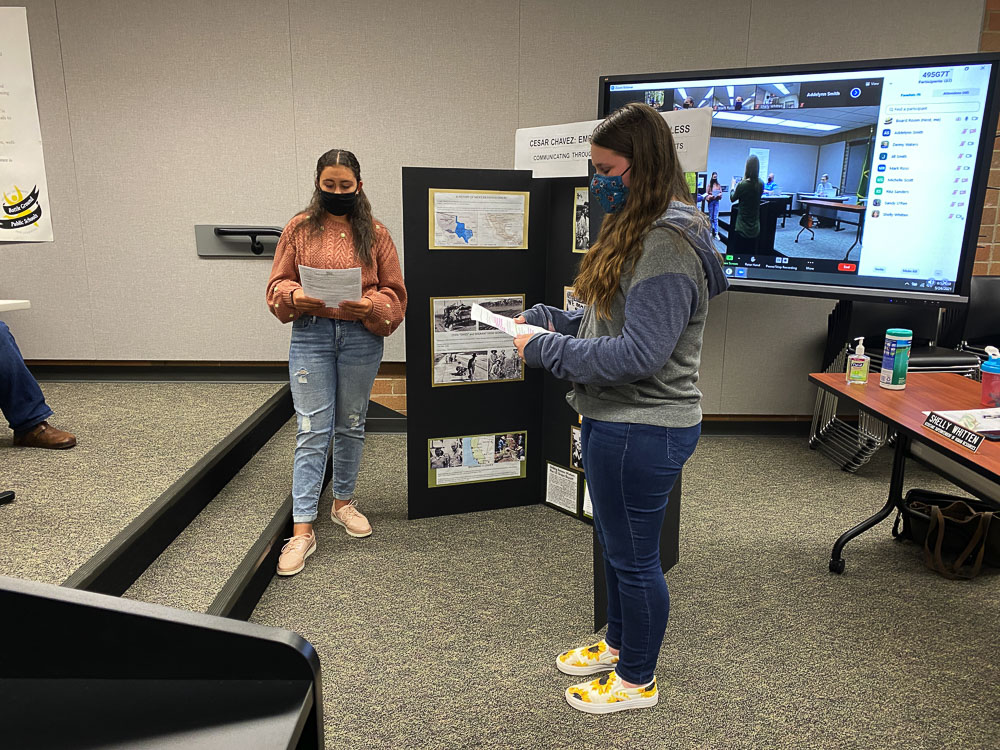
x=489, y=432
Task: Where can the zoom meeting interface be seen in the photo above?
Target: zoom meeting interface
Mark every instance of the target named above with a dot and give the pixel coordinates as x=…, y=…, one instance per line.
x=868, y=175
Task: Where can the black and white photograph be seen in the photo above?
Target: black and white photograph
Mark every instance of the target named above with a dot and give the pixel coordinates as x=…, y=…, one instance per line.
x=570, y=301
x=505, y=364
x=453, y=315
x=465, y=352
x=446, y=454
x=509, y=447
x=509, y=307
x=581, y=220
x=460, y=367
x=575, y=449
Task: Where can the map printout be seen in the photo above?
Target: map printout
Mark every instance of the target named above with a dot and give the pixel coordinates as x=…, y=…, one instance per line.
x=478, y=219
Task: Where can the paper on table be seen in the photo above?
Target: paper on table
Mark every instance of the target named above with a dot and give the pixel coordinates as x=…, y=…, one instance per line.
x=507, y=325
x=332, y=285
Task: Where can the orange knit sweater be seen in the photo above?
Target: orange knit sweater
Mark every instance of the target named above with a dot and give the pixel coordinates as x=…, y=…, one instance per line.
x=382, y=282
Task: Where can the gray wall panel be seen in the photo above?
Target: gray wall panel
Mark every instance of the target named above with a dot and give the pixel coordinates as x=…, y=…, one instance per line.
x=791, y=31
x=772, y=344
x=177, y=123
x=431, y=83
x=713, y=355
x=566, y=46
x=53, y=275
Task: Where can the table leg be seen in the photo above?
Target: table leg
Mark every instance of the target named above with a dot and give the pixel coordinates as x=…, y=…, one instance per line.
x=894, y=501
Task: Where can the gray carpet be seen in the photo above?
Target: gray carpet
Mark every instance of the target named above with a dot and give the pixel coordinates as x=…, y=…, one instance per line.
x=441, y=633
x=194, y=568
x=828, y=244
x=134, y=441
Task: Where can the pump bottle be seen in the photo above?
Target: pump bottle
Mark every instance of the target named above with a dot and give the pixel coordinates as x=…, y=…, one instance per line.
x=858, y=363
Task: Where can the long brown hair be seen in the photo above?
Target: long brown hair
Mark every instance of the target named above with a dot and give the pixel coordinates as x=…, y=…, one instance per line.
x=640, y=134
x=362, y=222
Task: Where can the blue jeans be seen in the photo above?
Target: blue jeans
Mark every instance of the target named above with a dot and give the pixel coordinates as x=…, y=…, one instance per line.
x=332, y=365
x=631, y=469
x=713, y=216
x=21, y=400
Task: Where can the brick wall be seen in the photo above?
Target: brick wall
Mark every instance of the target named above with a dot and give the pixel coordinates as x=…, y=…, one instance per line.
x=988, y=247
x=390, y=386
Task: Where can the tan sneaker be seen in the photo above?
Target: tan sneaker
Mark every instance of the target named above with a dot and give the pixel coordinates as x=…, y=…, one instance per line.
x=294, y=553
x=587, y=660
x=352, y=520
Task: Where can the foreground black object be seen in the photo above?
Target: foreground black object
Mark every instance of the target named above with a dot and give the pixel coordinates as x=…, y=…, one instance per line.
x=113, y=672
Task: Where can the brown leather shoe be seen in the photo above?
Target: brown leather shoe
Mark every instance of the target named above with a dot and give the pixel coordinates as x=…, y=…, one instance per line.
x=46, y=436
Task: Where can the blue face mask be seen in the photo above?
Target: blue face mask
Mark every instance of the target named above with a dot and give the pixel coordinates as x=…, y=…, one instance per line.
x=611, y=192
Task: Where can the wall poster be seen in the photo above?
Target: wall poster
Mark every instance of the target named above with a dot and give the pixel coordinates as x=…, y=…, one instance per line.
x=560, y=487
x=581, y=220
x=466, y=352
x=476, y=458
x=570, y=301
x=480, y=219
x=25, y=210
x=575, y=448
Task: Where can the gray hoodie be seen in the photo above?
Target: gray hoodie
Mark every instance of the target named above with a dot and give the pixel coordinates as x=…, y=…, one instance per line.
x=641, y=365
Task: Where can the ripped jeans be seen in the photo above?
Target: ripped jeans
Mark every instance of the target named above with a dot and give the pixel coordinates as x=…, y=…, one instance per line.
x=332, y=365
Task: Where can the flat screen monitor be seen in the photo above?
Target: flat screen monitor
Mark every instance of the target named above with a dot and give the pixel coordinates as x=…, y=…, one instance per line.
x=874, y=174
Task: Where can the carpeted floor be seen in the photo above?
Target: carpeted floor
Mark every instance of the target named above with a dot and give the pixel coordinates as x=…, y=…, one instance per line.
x=135, y=440
x=194, y=568
x=827, y=243
x=442, y=633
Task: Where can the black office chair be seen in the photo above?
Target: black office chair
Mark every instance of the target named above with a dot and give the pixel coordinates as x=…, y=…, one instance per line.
x=853, y=446
x=977, y=325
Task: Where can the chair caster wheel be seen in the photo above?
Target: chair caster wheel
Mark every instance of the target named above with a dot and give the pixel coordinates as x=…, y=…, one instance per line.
x=836, y=566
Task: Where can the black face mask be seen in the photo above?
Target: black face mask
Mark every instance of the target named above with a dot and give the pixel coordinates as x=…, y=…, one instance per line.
x=338, y=204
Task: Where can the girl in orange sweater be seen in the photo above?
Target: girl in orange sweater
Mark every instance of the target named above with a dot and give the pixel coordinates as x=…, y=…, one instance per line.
x=335, y=352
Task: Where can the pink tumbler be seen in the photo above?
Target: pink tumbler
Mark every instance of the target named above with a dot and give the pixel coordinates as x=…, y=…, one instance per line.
x=990, y=370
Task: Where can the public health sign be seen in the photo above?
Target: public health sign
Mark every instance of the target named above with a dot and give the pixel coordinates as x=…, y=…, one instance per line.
x=564, y=150
x=24, y=212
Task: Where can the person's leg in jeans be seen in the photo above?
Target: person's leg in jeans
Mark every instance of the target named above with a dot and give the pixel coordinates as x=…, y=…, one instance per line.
x=613, y=637
x=631, y=470
x=713, y=215
x=358, y=360
x=21, y=399
x=313, y=377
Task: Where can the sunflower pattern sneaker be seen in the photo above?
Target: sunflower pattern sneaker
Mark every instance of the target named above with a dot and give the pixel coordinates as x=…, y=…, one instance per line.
x=586, y=660
x=606, y=695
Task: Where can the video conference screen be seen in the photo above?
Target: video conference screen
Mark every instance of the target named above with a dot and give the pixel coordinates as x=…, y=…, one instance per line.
x=873, y=179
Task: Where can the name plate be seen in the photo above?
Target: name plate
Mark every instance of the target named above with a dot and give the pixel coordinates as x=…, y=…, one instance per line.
x=953, y=431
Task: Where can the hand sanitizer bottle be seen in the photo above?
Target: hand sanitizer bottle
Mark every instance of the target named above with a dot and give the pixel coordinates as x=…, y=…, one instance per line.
x=857, y=363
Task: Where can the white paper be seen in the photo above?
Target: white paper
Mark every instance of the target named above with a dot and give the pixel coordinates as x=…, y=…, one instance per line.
x=332, y=285
x=507, y=325
x=588, y=504
x=564, y=150
x=560, y=488
x=25, y=213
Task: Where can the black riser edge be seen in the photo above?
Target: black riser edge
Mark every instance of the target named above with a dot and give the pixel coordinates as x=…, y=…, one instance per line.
x=122, y=560
x=241, y=593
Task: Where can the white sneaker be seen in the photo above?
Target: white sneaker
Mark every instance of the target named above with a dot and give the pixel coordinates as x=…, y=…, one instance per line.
x=586, y=660
x=606, y=695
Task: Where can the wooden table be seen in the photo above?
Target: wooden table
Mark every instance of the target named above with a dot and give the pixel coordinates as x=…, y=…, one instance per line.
x=14, y=304
x=977, y=473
